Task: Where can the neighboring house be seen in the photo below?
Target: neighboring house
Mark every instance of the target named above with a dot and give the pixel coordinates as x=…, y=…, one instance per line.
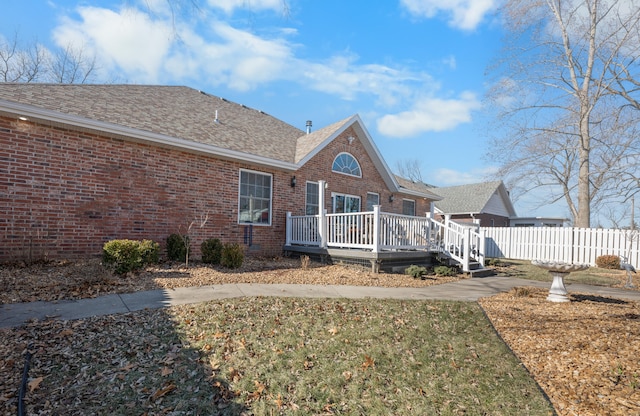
x=84, y=164
x=487, y=204
x=538, y=222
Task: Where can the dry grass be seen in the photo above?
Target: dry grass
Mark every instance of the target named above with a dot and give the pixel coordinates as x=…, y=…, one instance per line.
x=272, y=356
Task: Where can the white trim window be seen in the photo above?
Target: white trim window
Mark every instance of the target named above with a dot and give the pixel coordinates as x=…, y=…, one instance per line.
x=409, y=207
x=343, y=203
x=347, y=164
x=372, y=199
x=254, y=197
x=312, y=204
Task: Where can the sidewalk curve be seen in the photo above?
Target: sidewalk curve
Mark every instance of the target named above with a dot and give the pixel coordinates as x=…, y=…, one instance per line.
x=17, y=314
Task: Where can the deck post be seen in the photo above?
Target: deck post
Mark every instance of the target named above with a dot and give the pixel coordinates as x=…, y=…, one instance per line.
x=288, y=229
x=428, y=236
x=322, y=220
x=376, y=228
x=466, y=249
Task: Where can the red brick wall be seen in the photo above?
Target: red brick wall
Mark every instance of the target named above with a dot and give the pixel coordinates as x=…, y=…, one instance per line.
x=319, y=168
x=63, y=194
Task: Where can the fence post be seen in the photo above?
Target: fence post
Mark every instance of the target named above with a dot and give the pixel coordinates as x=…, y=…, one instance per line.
x=288, y=226
x=376, y=228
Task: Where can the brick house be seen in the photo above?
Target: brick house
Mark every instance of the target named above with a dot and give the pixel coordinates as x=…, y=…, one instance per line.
x=84, y=164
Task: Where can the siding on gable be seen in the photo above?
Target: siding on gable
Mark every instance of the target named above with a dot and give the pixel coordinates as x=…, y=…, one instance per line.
x=496, y=206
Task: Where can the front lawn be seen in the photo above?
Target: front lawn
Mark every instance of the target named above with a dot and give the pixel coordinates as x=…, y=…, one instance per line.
x=267, y=356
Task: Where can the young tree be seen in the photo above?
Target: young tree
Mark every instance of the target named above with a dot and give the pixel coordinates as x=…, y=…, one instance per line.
x=565, y=123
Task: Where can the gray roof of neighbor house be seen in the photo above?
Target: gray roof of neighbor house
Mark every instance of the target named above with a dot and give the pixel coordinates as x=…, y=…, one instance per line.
x=182, y=117
x=471, y=198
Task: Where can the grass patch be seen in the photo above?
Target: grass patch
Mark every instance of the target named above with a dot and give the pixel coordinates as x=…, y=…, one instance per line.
x=264, y=356
x=592, y=276
x=359, y=357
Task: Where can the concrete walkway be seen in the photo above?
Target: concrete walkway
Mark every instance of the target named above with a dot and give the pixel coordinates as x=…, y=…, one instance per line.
x=16, y=314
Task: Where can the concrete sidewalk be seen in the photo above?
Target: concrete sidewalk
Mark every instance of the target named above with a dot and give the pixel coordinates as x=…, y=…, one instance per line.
x=16, y=314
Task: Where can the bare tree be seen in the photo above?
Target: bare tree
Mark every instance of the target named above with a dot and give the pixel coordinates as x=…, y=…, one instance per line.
x=34, y=63
x=21, y=64
x=565, y=124
x=410, y=169
x=71, y=66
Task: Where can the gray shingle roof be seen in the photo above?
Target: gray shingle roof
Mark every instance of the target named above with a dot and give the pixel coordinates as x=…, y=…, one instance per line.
x=174, y=111
x=469, y=199
x=409, y=185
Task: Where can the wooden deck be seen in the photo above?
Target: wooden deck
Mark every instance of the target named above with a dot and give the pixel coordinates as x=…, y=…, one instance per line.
x=382, y=240
x=381, y=261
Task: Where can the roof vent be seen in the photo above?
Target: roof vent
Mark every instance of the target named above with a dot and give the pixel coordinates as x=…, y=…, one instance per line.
x=216, y=119
x=308, y=126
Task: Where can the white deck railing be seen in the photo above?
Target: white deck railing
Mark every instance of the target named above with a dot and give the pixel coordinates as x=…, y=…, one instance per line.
x=378, y=231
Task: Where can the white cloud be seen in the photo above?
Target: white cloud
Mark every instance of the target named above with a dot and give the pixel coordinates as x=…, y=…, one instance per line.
x=450, y=177
x=152, y=48
x=128, y=40
x=429, y=115
x=342, y=76
x=230, y=5
x=462, y=14
x=146, y=48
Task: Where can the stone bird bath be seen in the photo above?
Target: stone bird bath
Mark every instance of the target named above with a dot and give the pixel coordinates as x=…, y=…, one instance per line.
x=558, y=293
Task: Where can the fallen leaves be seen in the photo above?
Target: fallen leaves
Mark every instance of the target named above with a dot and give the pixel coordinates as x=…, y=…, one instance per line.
x=34, y=383
x=582, y=353
x=162, y=392
x=87, y=279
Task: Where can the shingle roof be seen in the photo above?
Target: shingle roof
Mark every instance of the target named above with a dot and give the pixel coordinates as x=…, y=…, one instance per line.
x=175, y=111
x=310, y=142
x=469, y=199
x=409, y=185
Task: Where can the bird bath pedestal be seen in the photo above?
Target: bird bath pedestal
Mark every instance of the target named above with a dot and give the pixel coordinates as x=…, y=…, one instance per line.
x=558, y=293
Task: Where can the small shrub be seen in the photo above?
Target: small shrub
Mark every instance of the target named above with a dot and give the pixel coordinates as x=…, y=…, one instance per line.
x=126, y=256
x=415, y=271
x=608, y=261
x=232, y=256
x=149, y=251
x=305, y=261
x=493, y=262
x=176, y=247
x=211, y=250
x=445, y=271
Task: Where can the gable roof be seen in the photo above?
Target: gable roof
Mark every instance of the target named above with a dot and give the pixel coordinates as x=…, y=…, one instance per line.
x=472, y=198
x=181, y=117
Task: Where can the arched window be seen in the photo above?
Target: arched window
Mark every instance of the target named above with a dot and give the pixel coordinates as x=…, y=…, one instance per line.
x=347, y=164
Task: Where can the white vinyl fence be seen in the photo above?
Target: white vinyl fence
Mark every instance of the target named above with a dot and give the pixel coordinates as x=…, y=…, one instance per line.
x=566, y=244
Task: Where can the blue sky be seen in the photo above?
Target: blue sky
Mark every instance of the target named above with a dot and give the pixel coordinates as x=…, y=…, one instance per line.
x=414, y=70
